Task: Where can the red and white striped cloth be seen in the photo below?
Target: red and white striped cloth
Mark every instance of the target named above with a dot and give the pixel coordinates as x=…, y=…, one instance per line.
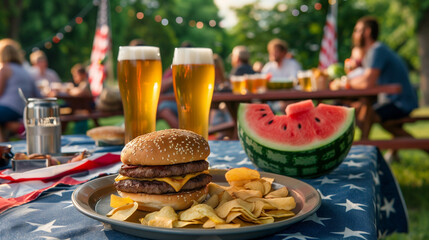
x=19, y=188
x=328, y=51
x=100, y=47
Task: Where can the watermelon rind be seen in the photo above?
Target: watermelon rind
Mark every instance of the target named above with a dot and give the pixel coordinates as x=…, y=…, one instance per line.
x=311, y=162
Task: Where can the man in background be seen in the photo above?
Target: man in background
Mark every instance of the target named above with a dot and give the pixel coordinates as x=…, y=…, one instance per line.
x=240, y=61
x=281, y=65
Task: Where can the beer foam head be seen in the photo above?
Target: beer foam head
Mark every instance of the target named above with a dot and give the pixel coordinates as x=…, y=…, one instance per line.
x=192, y=56
x=138, y=53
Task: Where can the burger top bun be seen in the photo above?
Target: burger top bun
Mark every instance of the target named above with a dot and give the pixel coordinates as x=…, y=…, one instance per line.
x=107, y=133
x=165, y=147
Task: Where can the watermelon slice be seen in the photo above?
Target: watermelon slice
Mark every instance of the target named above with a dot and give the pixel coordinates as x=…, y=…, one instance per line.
x=306, y=142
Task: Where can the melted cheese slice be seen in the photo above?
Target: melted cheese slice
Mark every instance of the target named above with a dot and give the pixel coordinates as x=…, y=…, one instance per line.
x=177, y=182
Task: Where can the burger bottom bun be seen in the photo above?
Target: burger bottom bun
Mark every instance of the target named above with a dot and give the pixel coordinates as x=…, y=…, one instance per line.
x=178, y=201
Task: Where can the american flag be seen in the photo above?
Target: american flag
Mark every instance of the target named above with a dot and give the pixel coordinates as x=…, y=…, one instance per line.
x=100, y=47
x=328, y=52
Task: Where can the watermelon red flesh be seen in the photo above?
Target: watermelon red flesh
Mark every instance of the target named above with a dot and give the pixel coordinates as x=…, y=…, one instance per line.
x=304, y=127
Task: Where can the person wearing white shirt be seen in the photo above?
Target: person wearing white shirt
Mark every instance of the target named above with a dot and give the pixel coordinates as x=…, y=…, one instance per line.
x=280, y=66
x=40, y=69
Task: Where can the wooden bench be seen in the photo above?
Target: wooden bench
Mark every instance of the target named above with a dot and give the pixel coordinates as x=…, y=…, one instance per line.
x=402, y=143
x=81, y=109
x=397, y=143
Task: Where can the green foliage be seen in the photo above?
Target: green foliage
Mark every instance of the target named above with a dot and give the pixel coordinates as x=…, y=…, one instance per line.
x=40, y=22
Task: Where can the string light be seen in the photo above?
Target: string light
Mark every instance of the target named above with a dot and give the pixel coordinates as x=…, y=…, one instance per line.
x=79, y=20
x=140, y=15
x=318, y=6
x=179, y=20
x=47, y=43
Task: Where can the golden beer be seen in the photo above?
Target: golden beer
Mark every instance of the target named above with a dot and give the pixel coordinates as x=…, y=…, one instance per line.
x=139, y=77
x=238, y=84
x=193, y=79
x=304, y=80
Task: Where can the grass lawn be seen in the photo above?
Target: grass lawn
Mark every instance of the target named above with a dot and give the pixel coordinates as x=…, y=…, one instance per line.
x=412, y=173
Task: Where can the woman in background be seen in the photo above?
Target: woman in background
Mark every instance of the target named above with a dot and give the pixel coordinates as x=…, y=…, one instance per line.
x=12, y=77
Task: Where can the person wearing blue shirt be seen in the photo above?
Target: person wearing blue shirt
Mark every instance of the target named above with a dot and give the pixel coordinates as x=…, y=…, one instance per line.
x=383, y=66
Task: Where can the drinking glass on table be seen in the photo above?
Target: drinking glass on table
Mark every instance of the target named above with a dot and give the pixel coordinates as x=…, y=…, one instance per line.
x=139, y=78
x=304, y=80
x=238, y=84
x=193, y=79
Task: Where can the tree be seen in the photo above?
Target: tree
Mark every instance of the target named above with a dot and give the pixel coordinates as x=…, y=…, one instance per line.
x=299, y=23
x=35, y=23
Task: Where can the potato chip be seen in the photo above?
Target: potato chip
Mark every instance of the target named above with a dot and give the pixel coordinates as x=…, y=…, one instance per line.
x=122, y=213
x=226, y=197
x=280, y=213
x=226, y=226
x=267, y=182
x=223, y=209
x=215, y=189
x=245, y=194
x=231, y=216
x=180, y=224
x=246, y=214
x=117, y=201
x=265, y=220
x=163, y=218
x=285, y=203
x=241, y=176
x=259, y=206
x=213, y=201
x=256, y=185
x=200, y=211
x=209, y=224
x=242, y=223
x=281, y=192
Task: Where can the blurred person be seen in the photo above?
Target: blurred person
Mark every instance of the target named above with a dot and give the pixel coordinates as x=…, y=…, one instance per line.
x=220, y=114
x=12, y=77
x=80, y=81
x=257, y=66
x=81, y=89
x=240, y=61
x=40, y=70
x=167, y=110
x=137, y=42
x=353, y=64
x=383, y=66
x=281, y=65
x=221, y=82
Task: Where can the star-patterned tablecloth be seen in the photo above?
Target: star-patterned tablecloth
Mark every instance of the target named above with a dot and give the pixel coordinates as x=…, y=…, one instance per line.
x=360, y=200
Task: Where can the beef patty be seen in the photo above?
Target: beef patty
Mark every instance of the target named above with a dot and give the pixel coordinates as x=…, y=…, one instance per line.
x=163, y=171
x=157, y=187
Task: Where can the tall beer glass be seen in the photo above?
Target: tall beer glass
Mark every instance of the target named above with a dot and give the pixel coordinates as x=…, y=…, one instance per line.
x=193, y=79
x=139, y=77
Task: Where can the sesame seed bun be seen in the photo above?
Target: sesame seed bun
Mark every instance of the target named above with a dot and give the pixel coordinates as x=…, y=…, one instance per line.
x=165, y=147
x=178, y=201
x=107, y=134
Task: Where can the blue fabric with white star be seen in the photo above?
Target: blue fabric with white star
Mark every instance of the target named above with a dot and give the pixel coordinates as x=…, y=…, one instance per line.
x=360, y=200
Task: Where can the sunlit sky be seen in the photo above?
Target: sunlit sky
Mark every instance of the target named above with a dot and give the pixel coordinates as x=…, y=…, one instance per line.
x=229, y=18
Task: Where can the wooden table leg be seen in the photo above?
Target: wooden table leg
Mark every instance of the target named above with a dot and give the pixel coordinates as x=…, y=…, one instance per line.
x=365, y=117
x=233, y=108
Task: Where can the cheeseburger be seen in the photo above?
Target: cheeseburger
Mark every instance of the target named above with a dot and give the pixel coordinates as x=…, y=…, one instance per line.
x=165, y=168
